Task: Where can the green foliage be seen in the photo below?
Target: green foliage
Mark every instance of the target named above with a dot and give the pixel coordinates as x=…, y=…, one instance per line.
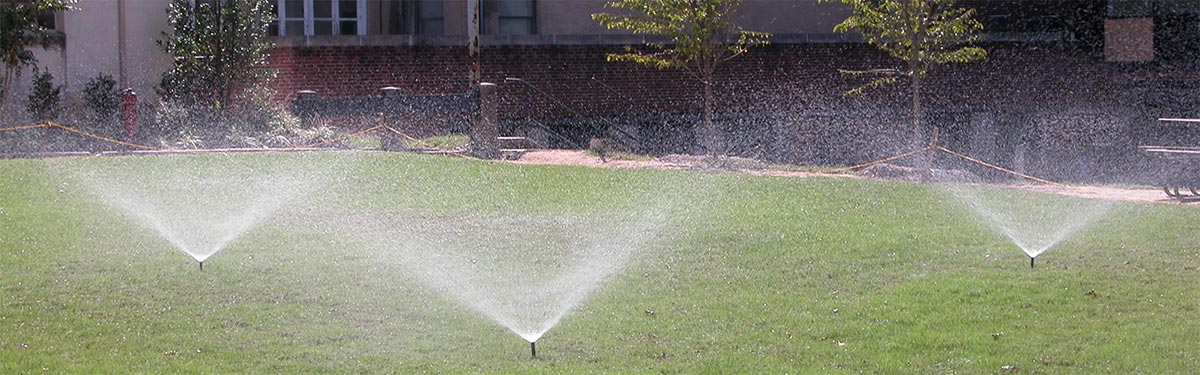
x=922, y=33
x=260, y=125
x=44, y=97
x=220, y=50
x=102, y=97
x=20, y=30
x=697, y=35
x=216, y=94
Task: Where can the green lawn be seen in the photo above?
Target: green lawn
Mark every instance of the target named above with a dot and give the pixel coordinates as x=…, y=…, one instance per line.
x=744, y=275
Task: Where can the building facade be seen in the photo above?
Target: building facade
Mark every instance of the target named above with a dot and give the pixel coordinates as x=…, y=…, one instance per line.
x=1068, y=83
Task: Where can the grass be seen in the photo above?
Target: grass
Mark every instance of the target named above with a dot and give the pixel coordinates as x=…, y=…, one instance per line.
x=755, y=275
x=440, y=142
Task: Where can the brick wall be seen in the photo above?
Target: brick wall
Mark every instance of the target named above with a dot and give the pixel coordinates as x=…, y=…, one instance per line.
x=1029, y=106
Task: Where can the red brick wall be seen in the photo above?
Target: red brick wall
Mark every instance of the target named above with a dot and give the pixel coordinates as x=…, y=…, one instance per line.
x=777, y=76
x=1018, y=81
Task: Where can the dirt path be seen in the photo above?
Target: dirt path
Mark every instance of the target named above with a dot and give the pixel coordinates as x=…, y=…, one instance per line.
x=575, y=157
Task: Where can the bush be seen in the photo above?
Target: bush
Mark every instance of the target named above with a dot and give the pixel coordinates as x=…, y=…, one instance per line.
x=257, y=123
x=103, y=98
x=44, y=97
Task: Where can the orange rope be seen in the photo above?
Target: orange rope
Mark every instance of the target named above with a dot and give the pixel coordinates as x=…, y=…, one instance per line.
x=419, y=142
x=338, y=139
x=102, y=138
x=34, y=126
x=993, y=166
x=880, y=161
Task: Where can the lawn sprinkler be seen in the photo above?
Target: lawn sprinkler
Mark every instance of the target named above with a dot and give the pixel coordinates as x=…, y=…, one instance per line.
x=533, y=349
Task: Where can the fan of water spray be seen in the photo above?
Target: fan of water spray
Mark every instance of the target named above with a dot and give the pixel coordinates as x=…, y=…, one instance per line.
x=524, y=271
x=1033, y=222
x=200, y=206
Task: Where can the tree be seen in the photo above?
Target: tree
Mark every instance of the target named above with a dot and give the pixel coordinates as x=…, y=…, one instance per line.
x=220, y=49
x=698, y=36
x=20, y=30
x=921, y=33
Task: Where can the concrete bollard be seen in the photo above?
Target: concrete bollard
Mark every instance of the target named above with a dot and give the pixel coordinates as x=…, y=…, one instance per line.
x=302, y=107
x=484, y=133
x=388, y=140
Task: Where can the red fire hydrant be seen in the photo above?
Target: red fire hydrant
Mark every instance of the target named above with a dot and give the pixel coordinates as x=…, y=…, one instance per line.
x=129, y=113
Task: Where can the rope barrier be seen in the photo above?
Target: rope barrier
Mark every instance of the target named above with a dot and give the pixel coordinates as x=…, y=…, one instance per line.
x=933, y=146
x=34, y=126
x=102, y=138
x=423, y=144
x=339, y=139
x=996, y=167
x=880, y=161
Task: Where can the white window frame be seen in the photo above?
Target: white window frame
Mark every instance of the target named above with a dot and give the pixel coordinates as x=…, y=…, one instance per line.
x=336, y=19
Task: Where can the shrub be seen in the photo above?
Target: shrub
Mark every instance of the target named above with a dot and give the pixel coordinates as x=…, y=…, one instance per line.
x=102, y=97
x=44, y=97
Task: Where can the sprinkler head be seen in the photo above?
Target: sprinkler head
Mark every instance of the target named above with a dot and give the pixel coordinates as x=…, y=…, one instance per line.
x=533, y=349
x=1031, y=262
x=202, y=265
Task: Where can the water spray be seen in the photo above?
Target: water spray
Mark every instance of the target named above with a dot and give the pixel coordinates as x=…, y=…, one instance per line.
x=533, y=349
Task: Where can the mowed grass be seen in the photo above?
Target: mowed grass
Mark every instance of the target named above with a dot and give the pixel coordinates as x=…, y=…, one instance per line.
x=752, y=275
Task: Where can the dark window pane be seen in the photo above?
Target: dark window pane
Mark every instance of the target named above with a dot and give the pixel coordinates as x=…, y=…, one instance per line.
x=322, y=27
x=273, y=30
x=516, y=26
x=515, y=8
x=322, y=8
x=432, y=27
x=348, y=9
x=430, y=9
x=294, y=9
x=395, y=16
x=45, y=19
x=348, y=27
x=1130, y=8
x=295, y=27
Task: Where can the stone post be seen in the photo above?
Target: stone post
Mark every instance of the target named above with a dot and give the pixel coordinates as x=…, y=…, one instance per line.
x=387, y=139
x=302, y=107
x=484, y=133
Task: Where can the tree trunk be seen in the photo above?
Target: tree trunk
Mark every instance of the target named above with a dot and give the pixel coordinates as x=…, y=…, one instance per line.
x=917, y=67
x=5, y=90
x=710, y=131
x=916, y=110
x=925, y=160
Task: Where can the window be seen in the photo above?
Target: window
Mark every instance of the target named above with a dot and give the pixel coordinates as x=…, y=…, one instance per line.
x=319, y=17
x=45, y=19
x=1130, y=8
x=516, y=17
x=413, y=17
x=431, y=17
